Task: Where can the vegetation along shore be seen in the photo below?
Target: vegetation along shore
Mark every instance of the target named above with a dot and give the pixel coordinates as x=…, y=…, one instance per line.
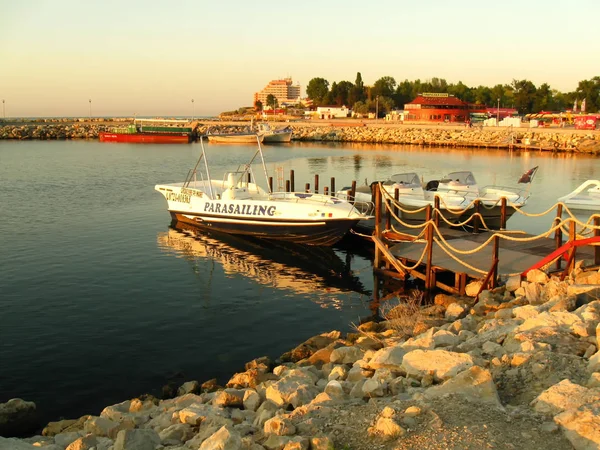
x=516, y=368
x=546, y=139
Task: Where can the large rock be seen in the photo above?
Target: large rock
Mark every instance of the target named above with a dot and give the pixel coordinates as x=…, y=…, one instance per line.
x=15, y=444
x=225, y=438
x=279, y=426
x=296, y=388
x=100, y=426
x=176, y=434
x=18, y=417
x=346, y=355
x=581, y=426
x=390, y=357
x=475, y=384
x=84, y=443
x=441, y=363
x=137, y=439
x=564, y=396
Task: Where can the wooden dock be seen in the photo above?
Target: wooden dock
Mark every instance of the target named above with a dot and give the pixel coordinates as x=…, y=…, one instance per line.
x=449, y=258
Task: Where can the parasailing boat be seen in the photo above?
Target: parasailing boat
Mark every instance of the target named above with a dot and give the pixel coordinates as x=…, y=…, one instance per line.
x=236, y=204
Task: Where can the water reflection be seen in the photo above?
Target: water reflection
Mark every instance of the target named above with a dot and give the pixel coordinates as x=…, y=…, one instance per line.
x=300, y=269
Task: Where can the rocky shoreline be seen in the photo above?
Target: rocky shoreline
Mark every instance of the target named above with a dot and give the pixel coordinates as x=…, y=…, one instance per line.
x=554, y=140
x=517, y=369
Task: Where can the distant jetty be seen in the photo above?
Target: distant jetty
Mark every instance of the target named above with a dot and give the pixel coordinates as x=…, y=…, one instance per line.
x=543, y=139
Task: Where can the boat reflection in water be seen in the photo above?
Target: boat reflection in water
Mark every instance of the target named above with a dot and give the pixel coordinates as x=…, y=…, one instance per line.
x=297, y=268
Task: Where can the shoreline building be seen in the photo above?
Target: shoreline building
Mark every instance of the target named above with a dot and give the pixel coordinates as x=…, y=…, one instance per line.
x=284, y=90
x=440, y=107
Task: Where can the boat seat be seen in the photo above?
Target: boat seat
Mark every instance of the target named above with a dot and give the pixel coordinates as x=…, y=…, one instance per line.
x=432, y=185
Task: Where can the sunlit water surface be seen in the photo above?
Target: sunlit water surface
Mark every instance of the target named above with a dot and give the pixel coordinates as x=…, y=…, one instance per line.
x=101, y=301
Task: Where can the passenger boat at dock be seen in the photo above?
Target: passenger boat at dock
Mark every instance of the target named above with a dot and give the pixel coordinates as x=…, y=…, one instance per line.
x=148, y=131
x=243, y=137
x=236, y=204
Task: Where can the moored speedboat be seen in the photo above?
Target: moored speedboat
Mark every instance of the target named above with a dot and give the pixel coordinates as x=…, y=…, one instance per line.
x=245, y=137
x=238, y=205
x=585, y=197
x=463, y=183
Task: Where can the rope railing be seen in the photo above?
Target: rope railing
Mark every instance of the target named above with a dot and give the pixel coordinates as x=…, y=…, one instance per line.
x=560, y=224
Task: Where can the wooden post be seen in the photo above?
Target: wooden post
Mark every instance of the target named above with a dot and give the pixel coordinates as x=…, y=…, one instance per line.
x=307, y=187
x=495, y=260
x=429, y=250
x=503, y=213
x=249, y=178
x=353, y=192
x=287, y=186
x=476, y=218
x=316, y=183
x=377, y=260
x=396, y=197
x=558, y=234
x=597, y=247
x=436, y=213
x=326, y=190
x=271, y=184
x=333, y=186
x=572, y=238
x=292, y=181
x=388, y=214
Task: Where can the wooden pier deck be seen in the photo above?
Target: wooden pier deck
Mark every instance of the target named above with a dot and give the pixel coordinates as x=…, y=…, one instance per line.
x=448, y=258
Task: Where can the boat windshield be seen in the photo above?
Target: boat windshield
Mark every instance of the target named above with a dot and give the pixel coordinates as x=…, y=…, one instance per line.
x=464, y=177
x=408, y=179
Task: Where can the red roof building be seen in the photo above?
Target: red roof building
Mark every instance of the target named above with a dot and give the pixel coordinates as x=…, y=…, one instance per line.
x=439, y=107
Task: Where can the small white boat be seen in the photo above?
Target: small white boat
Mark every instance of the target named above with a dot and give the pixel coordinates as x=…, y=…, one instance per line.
x=245, y=137
x=411, y=198
x=274, y=135
x=585, y=197
x=236, y=204
x=463, y=183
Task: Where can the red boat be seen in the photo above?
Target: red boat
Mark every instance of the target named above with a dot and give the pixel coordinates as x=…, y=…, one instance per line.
x=141, y=137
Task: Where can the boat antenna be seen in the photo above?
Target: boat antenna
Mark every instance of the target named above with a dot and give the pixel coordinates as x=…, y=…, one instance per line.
x=263, y=164
x=203, y=156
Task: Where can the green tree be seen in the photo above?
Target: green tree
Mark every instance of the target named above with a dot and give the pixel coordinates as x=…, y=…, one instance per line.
x=404, y=94
x=384, y=87
x=272, y=101
x=524, y=95
x=357, y=93
x=317, y=90
x=360, y=108
x=258, y=106
x=590, y=91
x=462, y=91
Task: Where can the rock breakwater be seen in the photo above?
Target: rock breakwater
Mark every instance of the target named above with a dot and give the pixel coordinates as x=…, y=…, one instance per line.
x=518, y=369
x=502, y=138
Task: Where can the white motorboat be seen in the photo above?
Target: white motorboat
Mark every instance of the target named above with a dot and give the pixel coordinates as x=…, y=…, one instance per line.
x=271, y=135
x=411, y=198
x=243, y=137
x=463, y=183
x=238, y=205
x=585, y=197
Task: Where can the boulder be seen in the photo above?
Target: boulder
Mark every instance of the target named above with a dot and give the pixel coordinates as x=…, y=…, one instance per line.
x=390, y=357
x=138, y=439
x=293, y=390
x=374, y=388
x=84, y=443
x=226, y=438
x=564, y=396
x=229, y=398
x=100, y=426
x=474, y=384
x=441, y=363
x=251, y=400
x=18, y=417
x=537, y=276
x=189, y=387
x=279, y=426
x=176, y=434
x=455, y=311
x=346, y=355
x=581, y=426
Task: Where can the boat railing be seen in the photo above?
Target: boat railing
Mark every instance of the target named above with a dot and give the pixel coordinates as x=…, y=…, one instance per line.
x=523, y=194
x=589, y=184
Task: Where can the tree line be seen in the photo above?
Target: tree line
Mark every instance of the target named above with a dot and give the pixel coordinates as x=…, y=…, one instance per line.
x=386, y=94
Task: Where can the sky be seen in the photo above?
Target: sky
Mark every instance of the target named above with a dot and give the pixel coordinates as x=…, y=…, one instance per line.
x=153, y=57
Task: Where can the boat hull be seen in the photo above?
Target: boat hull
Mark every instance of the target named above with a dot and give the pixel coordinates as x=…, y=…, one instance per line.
x=146, y=138
x=283, y=137
x=324, y=233
x=234, y=139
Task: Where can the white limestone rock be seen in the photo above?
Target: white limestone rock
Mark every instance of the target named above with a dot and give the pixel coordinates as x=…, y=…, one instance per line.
x=346, y=355
x=374, y=388
x=441, y=363
x=335, y=389
x=537, y=276
x=279, y=426
x=513, y=283
x=84, y=443
x=581, y=426
x=455, y=311
x=474, y=384
x=226, y=438
x=564, y=396
x=100, y=426
x=251, y=400
x=390, y=357
x=176, y=434
x=443, y=338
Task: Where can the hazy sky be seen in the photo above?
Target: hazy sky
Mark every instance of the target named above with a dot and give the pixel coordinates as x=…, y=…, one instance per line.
x=152, y=58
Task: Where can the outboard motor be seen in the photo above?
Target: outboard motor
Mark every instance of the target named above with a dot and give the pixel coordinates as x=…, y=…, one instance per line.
x=432, y=185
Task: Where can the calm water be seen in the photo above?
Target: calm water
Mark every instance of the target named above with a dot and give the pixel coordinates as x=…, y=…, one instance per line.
x=101, y=301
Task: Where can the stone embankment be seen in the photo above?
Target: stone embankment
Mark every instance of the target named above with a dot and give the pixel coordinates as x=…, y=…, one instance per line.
x=517, y=369
x=556, y=140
